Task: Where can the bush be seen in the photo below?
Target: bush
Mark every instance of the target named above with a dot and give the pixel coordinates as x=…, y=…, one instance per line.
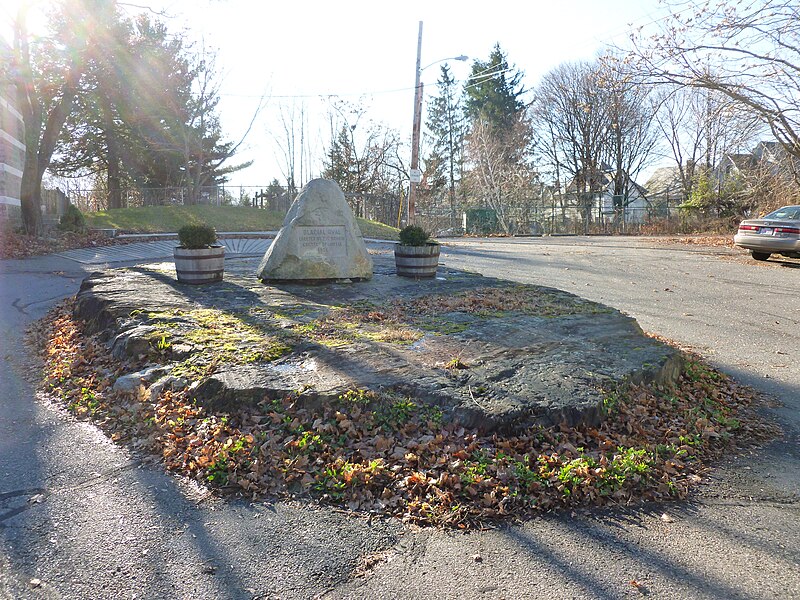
x=414, y=235
x=72, y=219
x=193, y=237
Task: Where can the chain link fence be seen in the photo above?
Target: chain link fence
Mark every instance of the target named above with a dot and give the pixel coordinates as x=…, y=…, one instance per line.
x=93, y=200
x=382, y=208
x=543, y=217
x=557, y=217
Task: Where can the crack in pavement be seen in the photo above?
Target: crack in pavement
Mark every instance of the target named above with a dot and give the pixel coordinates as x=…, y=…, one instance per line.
x=749, y=501
x=44, y=493
x=22, y=308
x=30, y=492
x=22, y=492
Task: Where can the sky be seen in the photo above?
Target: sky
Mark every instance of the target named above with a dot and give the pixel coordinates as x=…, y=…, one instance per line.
x=292, y=54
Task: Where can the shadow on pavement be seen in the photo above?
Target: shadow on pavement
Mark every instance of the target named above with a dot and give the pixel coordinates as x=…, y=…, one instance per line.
x=625, y=555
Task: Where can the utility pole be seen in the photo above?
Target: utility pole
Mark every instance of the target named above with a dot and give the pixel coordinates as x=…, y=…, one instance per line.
x=416, y=175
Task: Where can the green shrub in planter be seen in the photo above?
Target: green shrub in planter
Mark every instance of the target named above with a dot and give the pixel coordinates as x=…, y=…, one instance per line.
x=72, y=219
x=194, y=237
x=417, y=255
x=414, y=235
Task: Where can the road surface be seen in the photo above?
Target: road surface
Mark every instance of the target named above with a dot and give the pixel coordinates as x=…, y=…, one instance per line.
x=83, y=518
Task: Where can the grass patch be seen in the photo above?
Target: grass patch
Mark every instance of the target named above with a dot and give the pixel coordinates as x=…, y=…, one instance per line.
x=168, y=219
x=17, y=245
x=406, y=320
x=342, y=326
x=216, y=338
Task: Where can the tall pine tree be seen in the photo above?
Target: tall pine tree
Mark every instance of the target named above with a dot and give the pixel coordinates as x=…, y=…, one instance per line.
x=499, y=142
x=493, y=91
x=145, y=114
x=446, y=127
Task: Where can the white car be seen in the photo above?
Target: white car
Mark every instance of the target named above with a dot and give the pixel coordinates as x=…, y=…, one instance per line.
x=775, y=233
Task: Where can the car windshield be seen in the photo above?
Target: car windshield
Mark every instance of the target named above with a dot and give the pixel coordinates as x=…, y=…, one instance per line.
x=787, y=212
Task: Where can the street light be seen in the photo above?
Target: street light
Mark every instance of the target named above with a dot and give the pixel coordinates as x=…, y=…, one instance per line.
x=416, y=174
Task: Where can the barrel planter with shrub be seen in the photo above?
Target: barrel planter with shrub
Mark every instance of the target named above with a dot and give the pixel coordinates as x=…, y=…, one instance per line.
x=416, y=255
x=199, y=259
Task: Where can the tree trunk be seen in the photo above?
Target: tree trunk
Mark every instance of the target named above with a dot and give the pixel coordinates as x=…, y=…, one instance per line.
x=39, y=146
x=31, y=197
x=114, y=183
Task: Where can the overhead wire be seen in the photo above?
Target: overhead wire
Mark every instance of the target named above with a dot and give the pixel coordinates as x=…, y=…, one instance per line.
x=484, y=77
x=485, y=74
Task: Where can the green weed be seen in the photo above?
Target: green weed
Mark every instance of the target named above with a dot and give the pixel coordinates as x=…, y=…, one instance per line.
x=476, y=466
x=396, y=414
x=358, y=396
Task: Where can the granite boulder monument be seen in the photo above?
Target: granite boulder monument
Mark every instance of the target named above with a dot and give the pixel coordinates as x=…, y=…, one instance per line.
x=319, y=240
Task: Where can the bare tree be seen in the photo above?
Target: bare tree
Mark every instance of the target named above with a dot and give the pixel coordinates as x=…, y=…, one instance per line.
x=747, y=51
x=596, y=127
x=293, y=147
x=572, y=117
x=700, y=126
x=363, y=155
x=767, y=186
x=500, y=173
x=632, y=136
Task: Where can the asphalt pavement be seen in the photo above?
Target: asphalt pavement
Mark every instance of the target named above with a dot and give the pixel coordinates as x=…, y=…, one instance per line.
x=83, y=518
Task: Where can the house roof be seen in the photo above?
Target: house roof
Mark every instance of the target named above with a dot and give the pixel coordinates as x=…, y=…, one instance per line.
x=599, y=181
x=664, y=180
x=772, y=146
x=603, y=180
x=740, y=161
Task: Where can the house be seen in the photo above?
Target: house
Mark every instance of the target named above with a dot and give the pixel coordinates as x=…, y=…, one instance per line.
x=767, y=158
x=632, y=207
x=12, y=145
x=665, y=185
x=665, y=191
x=734, y=165
x=767, y=152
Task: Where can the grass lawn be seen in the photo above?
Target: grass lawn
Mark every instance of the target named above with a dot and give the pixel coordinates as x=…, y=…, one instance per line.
x=168, y=219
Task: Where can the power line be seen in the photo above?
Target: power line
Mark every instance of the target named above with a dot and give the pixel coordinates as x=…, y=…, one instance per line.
x=485, y=74
x=323, y=95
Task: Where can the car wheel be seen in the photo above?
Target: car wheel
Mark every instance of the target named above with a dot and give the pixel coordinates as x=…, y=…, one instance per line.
x=760, y=255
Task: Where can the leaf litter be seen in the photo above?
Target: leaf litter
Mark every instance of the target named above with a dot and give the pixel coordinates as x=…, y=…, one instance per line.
x=373, y=452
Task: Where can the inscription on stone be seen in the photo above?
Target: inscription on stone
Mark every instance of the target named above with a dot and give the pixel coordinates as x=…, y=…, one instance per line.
x=319, y=240
x=325, y=241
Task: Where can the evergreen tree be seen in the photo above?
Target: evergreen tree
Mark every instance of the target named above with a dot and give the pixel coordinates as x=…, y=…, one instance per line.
x=341, y=161
x=275, y=189
x=493, y=91
x=159, y=104
x=145, y=114
x=96, y=126
x=446, y=127
x=500, y=140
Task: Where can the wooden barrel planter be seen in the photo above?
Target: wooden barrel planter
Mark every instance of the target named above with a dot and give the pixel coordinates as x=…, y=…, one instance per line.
x=416, y=261
x=200, y=265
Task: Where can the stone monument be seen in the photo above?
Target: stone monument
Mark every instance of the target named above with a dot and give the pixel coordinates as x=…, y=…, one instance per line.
x=320, y=239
